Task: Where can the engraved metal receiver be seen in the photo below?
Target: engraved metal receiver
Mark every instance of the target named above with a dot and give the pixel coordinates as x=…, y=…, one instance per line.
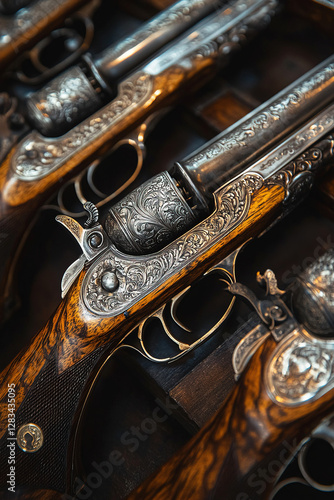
x=37, y=167
x=157, y=221
x=24, y=22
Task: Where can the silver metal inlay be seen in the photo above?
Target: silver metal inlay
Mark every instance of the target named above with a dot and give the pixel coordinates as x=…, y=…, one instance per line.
x=314, y=296
x=247, y=346
x=220, y=32
x=244, y=142
x=121, y=57
x=15, y=26
x=36, y=156
x=140, y=275
x=63, y=101
x=301, y=369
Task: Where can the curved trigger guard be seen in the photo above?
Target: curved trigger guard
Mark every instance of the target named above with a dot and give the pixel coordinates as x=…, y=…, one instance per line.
x=80, y=45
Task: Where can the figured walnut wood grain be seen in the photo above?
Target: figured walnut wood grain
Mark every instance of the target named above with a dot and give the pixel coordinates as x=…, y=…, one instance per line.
x=73, y=333
x=244, y=433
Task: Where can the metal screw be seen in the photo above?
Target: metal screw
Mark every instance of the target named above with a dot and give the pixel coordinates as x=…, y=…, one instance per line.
x=109, y=281
x=30, y=438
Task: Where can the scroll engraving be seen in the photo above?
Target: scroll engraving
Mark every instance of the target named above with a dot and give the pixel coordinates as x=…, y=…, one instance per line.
x=15, y=26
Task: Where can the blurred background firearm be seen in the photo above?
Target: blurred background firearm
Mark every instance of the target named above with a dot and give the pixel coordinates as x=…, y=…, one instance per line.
x=39, y=165
x=284, y=392
x=154, y=244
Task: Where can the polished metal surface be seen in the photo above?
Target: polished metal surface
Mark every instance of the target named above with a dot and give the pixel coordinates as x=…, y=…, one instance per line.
x=33, y=442
x=15, y=26
x=149, y=217
x=62, y=102
x=141, y=275
x=120, y=58
x=301, y=369
x=246, y=140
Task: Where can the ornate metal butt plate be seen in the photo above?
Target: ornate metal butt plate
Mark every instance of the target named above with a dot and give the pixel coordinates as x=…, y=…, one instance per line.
x=37, y=156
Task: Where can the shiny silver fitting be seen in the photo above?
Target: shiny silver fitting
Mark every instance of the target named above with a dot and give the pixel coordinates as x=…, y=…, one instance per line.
x=149, y=217
x=64, y=102
x=313, y=298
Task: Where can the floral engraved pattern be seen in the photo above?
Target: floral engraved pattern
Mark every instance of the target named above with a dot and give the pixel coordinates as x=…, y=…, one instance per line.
x=148, y=217
x=141, y=275
x=302, y=369
x=180, y=13
x=37, y=156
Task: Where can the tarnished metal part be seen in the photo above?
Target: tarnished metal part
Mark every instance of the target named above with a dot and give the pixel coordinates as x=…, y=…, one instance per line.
x=36, y=156
x=313, y=298
x=301, y=369
x=141, y=275
x=69, y=98
x=223, y=158
x=35, y=435
x=149, y=217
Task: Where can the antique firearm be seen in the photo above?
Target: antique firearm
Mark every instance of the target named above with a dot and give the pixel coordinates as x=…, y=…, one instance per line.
x=39, y=165
x=24, y=22
x=285, y=391
x=191, y=218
